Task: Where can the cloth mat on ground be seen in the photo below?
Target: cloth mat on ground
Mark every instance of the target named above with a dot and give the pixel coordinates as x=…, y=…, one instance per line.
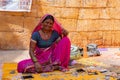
x=10, y=73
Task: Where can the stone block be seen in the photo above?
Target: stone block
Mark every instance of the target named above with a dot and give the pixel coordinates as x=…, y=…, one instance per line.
x=107, y=39
x=82, y=25
x=11, y=23
x=109, y=24
x=94, y=35
x=79, y=38
x=14, y=40
x=89, y=13
x=115, y=38
x=94, y=3
x=69, y=13
x=99, y=42
x=106, y=24
x=114, y=13
x=94, y=25
x=73, y=3
x=105, y=14
x=12, y=13
x=113, y=3
x=57, y=3
x=75, y=36
x=116, y=24
x=69, y=24
x=30, y=23
x=49, y=10
x=88, y=25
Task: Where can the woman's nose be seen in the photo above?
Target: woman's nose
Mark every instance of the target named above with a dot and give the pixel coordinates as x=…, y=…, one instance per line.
x=49, y=24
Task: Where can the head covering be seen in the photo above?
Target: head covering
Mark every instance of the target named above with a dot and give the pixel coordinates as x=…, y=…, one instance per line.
x=56, y=25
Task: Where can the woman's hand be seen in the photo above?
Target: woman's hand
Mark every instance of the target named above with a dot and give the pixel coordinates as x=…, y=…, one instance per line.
x=64, y=32
x=38, y=67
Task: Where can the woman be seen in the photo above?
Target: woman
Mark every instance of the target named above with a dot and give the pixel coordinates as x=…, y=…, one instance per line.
x=49, y=48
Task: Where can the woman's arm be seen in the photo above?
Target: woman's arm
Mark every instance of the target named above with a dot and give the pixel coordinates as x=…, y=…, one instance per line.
x=31, y=51
x=64, y=32
x=34, y=59
x=58, y=39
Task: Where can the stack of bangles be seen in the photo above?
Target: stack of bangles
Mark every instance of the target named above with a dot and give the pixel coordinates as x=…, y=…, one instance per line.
x=35, y=60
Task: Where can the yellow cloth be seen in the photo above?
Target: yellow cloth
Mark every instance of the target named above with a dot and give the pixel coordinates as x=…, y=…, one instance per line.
x=10, y=73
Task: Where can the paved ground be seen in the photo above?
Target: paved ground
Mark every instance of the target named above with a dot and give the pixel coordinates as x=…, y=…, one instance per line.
x=13, y=55
x=110, y=56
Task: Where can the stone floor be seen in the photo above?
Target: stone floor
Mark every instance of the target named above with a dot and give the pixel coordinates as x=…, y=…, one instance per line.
x=13, y=55
x=110, y=56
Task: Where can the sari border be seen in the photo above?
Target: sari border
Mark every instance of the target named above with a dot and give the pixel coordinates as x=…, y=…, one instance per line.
x=28, y=68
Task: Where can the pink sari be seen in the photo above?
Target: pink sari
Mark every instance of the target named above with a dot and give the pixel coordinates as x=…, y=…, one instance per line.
x=57, y=54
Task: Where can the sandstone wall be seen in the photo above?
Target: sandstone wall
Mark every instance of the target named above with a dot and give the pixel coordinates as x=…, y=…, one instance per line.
x=94, y=21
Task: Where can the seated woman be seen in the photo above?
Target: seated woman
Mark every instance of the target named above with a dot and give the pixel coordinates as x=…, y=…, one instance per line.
x=49, y=48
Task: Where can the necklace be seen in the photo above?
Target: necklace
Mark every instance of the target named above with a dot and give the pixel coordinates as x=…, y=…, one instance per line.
x=45, y=34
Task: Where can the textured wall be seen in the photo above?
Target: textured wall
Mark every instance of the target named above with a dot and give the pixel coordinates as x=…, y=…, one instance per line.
x=94, y=21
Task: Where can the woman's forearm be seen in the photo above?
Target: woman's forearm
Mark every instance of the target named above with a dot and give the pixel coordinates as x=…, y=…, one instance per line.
x=35, y=61
x=31, y=52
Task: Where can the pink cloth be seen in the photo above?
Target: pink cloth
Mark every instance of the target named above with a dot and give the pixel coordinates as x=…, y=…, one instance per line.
x=56, y=25
x=56, y=54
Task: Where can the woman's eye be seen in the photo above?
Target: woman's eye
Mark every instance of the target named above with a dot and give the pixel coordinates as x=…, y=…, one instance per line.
x=50, y=23
x=47, y=22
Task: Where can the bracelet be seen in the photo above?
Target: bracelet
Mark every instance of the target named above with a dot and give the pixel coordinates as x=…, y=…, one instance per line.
x=35, y=60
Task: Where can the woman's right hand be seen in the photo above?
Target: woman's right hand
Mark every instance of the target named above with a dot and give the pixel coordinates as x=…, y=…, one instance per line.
x=38, y=67
x=64, y=32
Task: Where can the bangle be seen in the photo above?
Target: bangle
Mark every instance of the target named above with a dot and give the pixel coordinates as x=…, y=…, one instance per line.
x=35, y=60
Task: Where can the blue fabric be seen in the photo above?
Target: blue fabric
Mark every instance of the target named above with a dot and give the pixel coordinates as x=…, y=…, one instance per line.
x=44, y=43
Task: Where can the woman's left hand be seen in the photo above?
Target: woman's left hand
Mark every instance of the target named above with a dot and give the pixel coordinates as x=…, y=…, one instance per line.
x=64, y=32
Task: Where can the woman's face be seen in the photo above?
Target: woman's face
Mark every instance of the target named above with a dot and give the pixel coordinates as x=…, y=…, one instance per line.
x=47, y=24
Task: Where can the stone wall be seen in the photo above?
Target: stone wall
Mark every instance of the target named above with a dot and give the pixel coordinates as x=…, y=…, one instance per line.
x=94, y=21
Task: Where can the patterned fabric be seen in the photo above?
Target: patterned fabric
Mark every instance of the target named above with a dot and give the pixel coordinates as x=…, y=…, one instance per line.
x=49, y=57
